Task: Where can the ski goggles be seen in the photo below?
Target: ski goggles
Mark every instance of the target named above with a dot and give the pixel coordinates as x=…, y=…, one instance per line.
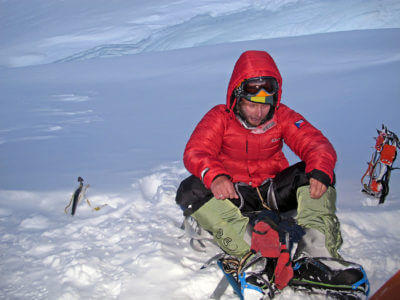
x=258, y=89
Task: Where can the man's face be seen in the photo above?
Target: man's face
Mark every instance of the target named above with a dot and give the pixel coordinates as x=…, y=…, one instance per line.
x=254, y=113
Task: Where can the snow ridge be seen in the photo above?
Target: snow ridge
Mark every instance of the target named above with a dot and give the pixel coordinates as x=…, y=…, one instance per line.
x=259, y=21
x=115, y=29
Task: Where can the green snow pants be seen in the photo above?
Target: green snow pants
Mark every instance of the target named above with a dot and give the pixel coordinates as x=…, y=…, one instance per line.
x=320, y=214
x=227, y=224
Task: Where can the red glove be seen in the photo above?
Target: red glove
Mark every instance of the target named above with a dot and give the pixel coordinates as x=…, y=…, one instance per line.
x=283, y=269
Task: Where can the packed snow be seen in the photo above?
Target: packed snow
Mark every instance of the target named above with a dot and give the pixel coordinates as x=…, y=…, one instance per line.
x=44, y=31
x=112, y=91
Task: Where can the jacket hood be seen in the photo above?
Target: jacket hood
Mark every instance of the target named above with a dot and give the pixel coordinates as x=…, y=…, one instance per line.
x=253, y=64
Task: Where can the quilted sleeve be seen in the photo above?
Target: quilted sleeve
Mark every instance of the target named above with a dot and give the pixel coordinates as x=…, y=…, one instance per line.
x=309, y=144
x=201, y=152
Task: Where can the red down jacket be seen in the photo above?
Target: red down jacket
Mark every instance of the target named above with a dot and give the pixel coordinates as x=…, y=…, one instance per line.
x=220, y=144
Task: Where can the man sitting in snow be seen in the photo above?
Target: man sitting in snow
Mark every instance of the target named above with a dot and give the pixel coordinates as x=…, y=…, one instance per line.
x=235, y=156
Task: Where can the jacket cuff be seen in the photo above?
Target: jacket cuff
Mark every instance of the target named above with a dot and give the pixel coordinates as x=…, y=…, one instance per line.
x=219, y=175
x=210, y=176
x=320, y=176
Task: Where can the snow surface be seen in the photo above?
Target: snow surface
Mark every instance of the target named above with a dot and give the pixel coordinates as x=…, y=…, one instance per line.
x=121, y=120
x=42, y=31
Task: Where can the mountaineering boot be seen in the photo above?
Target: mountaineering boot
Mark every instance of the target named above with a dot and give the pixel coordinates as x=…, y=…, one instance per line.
x=315, y=273
x=314, y=266
x=317, y=263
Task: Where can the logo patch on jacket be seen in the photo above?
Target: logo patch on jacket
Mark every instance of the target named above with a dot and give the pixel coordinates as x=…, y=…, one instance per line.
x=299, y=123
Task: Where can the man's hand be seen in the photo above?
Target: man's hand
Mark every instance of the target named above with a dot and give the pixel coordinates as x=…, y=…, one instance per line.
x=223, y=188
x=317, y=188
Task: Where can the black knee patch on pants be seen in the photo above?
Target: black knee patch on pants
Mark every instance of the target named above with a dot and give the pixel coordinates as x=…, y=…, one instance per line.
x=192, y=194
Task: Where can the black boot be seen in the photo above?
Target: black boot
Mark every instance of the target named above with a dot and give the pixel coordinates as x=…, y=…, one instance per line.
x=314, y=273
x=314, y=267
